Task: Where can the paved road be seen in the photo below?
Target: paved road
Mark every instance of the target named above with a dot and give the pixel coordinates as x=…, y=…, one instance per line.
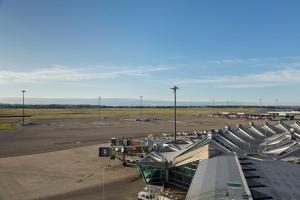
x=121, y=190
x=76, y=172
x=59, y=134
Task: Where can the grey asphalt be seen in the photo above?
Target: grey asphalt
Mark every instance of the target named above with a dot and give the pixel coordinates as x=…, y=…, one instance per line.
x=47, y=135
x=121, y=190
x=52, y=135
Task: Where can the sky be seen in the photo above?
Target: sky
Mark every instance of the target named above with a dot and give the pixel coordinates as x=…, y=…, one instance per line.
x=232, y=50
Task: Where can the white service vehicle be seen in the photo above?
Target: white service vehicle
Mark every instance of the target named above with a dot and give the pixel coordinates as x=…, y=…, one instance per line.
x=143, y=195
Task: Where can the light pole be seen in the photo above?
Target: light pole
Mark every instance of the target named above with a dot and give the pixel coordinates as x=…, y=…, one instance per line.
x=265, y=135
x=23, y=120
x=174, y=90
x=141, y=103
x=260, y=102
x=214, y=110
x=99, y=107
x=103, y=183
x=260, y=105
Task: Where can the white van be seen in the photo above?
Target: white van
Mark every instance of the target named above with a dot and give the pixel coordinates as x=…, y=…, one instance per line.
x=145, y=196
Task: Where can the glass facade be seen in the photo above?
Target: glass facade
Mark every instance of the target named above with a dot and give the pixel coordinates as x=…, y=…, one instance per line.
x=182, y=176
x=153, y=175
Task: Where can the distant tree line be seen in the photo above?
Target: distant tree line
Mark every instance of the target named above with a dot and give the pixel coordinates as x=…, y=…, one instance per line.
x=65, y=106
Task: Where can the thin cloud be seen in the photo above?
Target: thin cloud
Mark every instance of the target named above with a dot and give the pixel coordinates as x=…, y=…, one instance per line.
x=249, y=61
x=259, y=80
x=64, y=74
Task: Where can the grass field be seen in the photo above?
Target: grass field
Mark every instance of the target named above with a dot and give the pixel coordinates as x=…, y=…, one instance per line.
x=112, y=112
x=6, y=126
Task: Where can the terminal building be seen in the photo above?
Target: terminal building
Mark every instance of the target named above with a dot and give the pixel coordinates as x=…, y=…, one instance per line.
x=242, y=162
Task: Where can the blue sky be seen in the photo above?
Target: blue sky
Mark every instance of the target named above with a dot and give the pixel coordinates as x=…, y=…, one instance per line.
x=231, y=50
